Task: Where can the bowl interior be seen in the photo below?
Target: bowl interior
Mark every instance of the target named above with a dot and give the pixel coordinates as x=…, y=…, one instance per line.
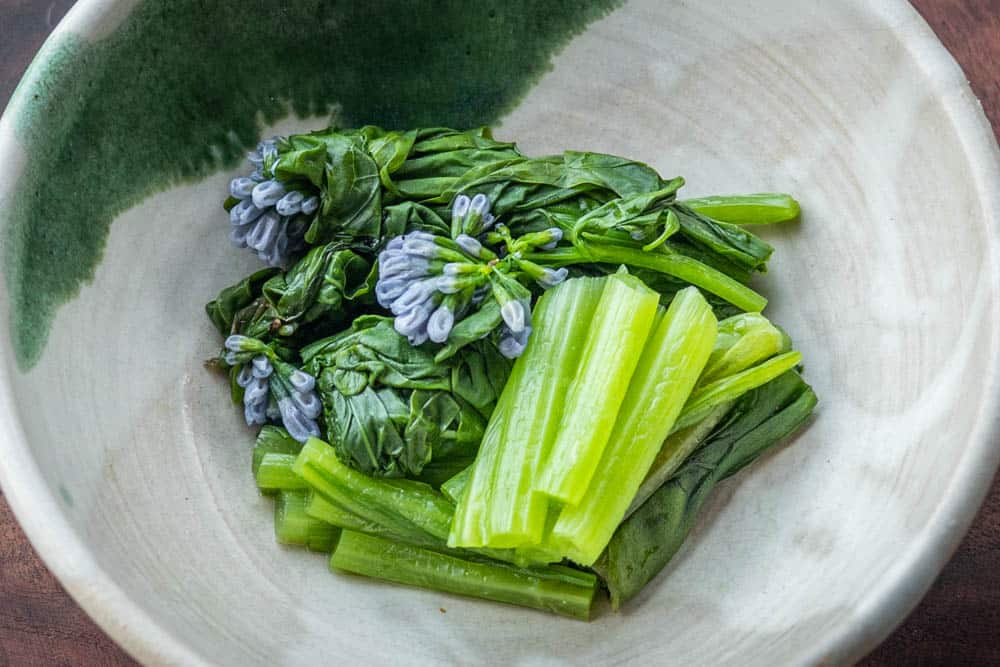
x=888, y=286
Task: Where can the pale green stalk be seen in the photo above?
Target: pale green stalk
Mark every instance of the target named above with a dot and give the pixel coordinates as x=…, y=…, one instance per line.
x=668, y=369
x=706, y=398
x=744, y=340
x=675, y=450
x=454, y=486
x=615, y=342
x=545, y=372
x=765, y=208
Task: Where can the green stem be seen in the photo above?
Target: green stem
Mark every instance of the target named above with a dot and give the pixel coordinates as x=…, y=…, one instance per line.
x=744, y=341
x=323, y=510
x=293, y=526
x=670, y=263
x=675, y=450
x=765, y=208
x=467, y=527
x=671, y=362
x=704, y=399
x=615, y=341
x=402, y=509
x=544, y=375
x=558, y=590
x=406, y=507
x=275, y=473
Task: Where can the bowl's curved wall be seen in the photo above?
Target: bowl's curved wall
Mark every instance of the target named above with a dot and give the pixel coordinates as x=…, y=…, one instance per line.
x=129, y=469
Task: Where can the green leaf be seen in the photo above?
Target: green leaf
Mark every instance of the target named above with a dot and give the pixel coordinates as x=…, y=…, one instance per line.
x=390, y=408
x=472, y=328
x=321, y=292
x=318, y=285
x=521, y=184
x=410, y=216
x=727, y=240
x=389, y=150
x=441, y=155
x=301, y=158
x=223, y=309
x=643, y=214
x=351, y=206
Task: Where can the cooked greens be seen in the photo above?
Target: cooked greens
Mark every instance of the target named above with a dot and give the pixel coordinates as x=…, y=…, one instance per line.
x=614, y=345
x=522, y=367
x=390, y=408
x=672, y=359
x=560, y=590
x=293, y=526
x=648, y=539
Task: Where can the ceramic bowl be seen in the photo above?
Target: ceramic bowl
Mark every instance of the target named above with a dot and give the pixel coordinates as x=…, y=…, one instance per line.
x=129, y=469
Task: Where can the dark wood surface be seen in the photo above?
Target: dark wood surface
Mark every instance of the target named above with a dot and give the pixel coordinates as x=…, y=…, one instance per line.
x=958, y=622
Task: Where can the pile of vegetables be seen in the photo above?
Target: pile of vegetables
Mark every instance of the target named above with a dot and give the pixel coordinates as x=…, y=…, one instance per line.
x=496, y=375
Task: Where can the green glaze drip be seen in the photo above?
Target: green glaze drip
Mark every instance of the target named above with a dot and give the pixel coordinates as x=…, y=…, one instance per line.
x=178, y=90
x=66, y=496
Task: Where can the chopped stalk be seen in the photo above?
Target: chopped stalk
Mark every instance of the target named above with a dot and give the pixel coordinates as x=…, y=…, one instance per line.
x=765, y=208
x=404, y=506
x=676, y=449
x=467, y=527
x=406, y=510
x=323, y=510
x=671, y=362
x=275, y=473
x=556, y=589
x=544, y=373
x=455, y=486
x=276, y=440
x=293, y=526
x=615, y=340
x=744, y=340
x=704, y=399
x=273, y=440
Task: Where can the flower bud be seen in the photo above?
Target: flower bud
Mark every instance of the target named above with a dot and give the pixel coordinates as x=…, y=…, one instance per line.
x=242, y=187
x=440, y=323
x=267, y=193
x=290, y=204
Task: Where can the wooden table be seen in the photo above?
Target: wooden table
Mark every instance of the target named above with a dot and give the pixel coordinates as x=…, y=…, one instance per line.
x=958, y=622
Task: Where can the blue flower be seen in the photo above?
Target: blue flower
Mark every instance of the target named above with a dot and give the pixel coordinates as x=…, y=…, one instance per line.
x=269, y=218
x=429, y=283
x=274, y=390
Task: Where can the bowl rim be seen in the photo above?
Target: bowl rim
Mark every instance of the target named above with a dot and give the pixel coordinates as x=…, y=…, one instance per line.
x=885, y=606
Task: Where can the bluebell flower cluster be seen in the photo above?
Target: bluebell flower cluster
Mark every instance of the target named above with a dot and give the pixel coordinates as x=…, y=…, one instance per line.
x=429, y=282
x=270, y=218
x=273, y=389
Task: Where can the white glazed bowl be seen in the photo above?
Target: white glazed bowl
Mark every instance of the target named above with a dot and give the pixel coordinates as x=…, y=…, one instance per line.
x=129, y=470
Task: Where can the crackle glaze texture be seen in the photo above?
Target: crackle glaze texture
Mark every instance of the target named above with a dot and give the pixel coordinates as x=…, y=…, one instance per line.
x=129, y=469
